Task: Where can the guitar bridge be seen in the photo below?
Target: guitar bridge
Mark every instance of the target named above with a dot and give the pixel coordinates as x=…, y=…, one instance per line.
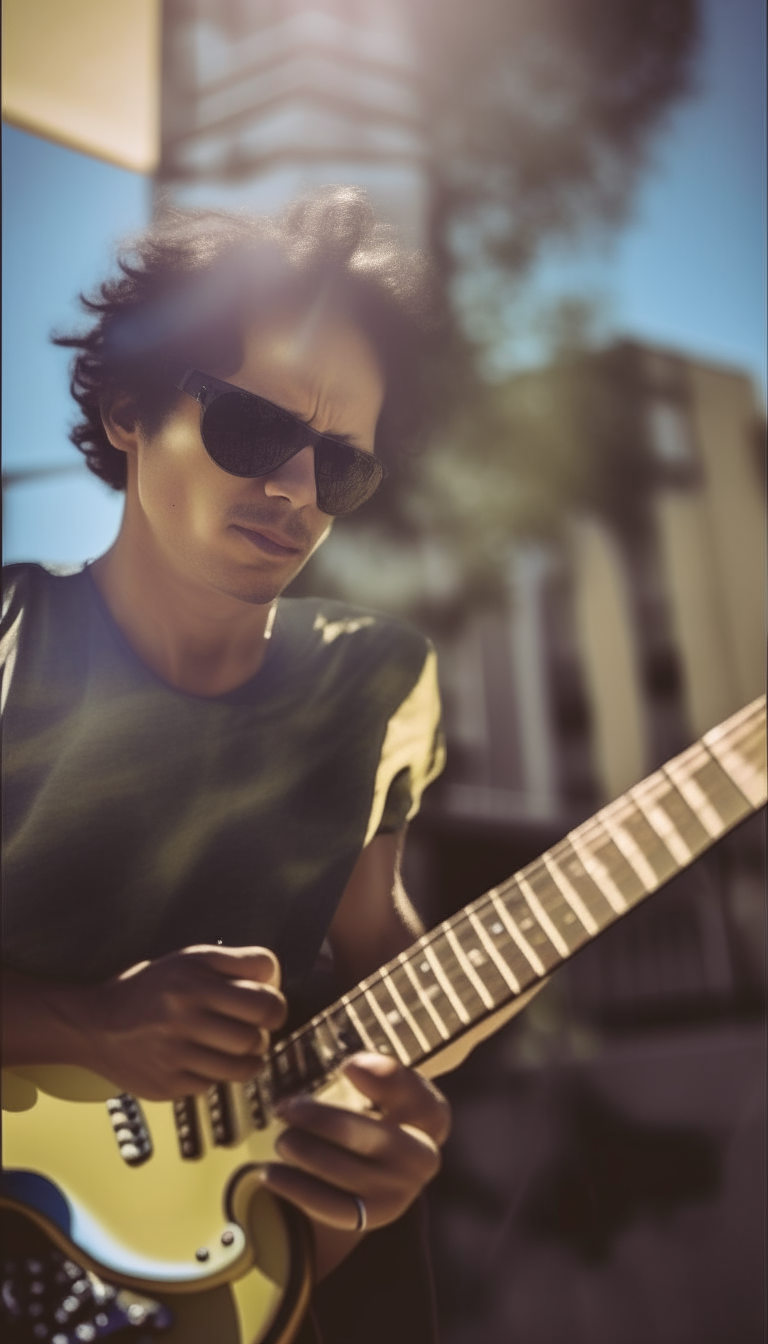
x=130, y=1129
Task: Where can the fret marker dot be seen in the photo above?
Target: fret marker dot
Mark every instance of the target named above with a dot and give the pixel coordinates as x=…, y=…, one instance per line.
x=476, y=956
x=526, y=923
x=425, y=968
x=394, y=1017
x=497, y=927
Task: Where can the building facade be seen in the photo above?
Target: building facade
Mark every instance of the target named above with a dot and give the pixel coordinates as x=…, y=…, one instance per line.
x=263, y=99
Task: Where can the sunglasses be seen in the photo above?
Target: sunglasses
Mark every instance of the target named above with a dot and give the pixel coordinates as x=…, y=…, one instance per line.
x=249, y=436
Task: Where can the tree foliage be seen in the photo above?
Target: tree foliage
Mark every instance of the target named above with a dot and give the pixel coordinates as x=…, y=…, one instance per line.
x=541, y=114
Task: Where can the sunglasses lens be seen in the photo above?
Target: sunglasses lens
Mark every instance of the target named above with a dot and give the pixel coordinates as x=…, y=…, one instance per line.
x=345, y=477
x=247, y=437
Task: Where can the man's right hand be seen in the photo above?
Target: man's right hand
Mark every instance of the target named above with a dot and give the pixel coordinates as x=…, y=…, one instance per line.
x=161, y=1029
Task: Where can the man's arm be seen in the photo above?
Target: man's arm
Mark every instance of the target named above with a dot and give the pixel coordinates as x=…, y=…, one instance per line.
x=374, y=919
x=162, y=1029
x=331, y=1154
x=172, y=1026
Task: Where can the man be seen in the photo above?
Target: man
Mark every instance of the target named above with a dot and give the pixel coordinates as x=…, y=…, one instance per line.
x=205, y=783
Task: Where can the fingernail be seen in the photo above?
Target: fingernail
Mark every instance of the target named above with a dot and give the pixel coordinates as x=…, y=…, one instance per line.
x=380, y=1064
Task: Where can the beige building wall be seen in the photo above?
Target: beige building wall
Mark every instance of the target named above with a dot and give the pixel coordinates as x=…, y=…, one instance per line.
x=607, y=646
x=713, y=542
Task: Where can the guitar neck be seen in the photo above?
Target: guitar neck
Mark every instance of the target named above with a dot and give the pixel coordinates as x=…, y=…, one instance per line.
x=508, y=940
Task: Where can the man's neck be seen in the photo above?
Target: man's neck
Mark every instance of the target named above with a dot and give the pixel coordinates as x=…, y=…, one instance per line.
x=193, y=637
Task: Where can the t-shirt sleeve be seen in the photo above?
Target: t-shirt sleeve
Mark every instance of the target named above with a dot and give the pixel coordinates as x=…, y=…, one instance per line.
x=412, y=754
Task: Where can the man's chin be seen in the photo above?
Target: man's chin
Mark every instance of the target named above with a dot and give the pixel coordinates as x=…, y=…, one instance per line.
x=257, y=587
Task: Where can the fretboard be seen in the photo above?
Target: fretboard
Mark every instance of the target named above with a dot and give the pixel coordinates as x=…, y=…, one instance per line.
x=509, y=939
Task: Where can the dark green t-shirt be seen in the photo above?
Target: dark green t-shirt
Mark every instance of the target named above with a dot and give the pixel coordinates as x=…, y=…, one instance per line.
x=138, y=818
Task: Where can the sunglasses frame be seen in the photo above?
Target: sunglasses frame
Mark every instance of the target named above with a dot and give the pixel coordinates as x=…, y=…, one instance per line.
x=206, y=390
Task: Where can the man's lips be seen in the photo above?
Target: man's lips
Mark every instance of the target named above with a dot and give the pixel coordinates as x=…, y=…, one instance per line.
x=270, y=542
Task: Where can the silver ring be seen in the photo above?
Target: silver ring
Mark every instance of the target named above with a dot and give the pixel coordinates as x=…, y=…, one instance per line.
x=362, y=1215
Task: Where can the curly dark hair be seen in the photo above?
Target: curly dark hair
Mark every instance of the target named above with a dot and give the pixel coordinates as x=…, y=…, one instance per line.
x=188, y=284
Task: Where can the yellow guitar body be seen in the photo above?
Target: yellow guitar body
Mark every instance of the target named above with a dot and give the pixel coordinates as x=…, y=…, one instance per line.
x=202, y=1235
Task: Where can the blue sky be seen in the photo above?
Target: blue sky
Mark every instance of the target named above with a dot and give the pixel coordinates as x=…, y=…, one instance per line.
x=689, y=271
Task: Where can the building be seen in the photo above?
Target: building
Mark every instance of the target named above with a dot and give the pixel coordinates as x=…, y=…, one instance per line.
x=265, y=98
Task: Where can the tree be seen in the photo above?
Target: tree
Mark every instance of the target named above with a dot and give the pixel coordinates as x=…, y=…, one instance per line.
x=542, y=114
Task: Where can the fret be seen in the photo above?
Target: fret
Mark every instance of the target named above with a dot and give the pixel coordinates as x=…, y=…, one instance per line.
x=524, y=916
x=506, y=973
x=431, y=987
x=627, y=820
x=569, y=863
x=626, y=883
x=367, y=1023
x=740, y=749
x=531, y=956
x=286, y=1075
x=628, y=846
x=325, y=1042
x=598, y=872
x=671, y=817
x=540, y=914
x=564, y=927
x=462, y=985
x=570, y=894
x=696, y=799
x=423, y=1041
x=355, y=1028
x=487, y=964
x=721, y=793
x=421, y=1010
x=468, y=969
x=432, y=958
x=388, y=1025
x=424, y=993
x=506, y=947
x=312, y=1063
x=363, y=1030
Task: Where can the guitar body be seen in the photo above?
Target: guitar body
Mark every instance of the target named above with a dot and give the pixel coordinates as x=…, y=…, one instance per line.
x=231, y=1261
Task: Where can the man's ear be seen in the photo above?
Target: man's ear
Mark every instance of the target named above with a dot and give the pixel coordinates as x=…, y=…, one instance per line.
x=118, y=416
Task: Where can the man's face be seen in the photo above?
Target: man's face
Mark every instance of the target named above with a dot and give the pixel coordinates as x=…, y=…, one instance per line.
x=247, y=538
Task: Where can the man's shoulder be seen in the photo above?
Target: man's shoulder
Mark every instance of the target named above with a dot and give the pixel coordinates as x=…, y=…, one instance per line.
x=26, y=583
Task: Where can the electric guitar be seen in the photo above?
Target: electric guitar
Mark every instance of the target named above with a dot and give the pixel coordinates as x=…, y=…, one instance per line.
x=163, y=1198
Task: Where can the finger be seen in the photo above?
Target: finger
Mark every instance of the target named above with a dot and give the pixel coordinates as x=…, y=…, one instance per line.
x=216, y=1066
x=227, y=1034
x=315, y=1198
x=239, y=963
x=367, y=1137
x=401, y=1094
x=254, y=1005
x=406, y=1165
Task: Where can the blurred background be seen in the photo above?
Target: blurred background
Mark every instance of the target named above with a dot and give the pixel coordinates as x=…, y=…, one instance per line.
x=584, y=539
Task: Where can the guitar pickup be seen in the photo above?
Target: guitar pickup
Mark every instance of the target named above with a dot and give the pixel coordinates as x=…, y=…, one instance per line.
x=187, y=1124
x=257, y=1103
x=221, y=1115
x=130, y=1129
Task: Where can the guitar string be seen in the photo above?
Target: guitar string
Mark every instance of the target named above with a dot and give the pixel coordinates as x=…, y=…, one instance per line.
x=586, y=832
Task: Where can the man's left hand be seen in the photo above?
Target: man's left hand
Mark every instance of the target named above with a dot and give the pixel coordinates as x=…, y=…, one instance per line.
x=332, y=1157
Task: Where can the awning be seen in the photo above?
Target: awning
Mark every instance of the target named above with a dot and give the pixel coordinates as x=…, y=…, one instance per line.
x=86, y=73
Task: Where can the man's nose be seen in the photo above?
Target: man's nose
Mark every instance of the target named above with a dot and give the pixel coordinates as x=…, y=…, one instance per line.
x=294, y=480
